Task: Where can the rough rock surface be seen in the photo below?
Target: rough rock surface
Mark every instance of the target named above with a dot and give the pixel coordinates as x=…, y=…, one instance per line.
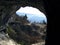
x=5, y=40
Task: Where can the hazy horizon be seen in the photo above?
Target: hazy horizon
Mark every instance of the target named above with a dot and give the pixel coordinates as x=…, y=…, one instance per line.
x=35, y=16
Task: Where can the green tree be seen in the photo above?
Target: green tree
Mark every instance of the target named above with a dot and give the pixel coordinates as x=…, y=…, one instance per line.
x=44, y=22
x=25, y=17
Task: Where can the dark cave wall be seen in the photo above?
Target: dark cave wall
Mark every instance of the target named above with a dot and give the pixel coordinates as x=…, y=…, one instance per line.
x=9, y=7
x=35, y=3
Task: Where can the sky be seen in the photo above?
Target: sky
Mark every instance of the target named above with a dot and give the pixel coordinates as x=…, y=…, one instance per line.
x=32, y=13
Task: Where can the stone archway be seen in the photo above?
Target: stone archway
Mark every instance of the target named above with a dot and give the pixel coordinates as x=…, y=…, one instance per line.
x=10, y=7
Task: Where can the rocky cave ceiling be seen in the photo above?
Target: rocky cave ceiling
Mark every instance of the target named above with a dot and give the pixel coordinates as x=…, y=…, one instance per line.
x=18, y=3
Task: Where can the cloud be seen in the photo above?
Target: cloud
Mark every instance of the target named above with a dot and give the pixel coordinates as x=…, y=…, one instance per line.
x=32, y=13
x=30, y=10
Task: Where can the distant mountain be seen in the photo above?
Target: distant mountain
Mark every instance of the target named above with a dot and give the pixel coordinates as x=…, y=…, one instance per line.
x=36, y=19
x=33, y=18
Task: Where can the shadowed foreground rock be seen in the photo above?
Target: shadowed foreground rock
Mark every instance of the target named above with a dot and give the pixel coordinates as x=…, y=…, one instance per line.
x=6, y=40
